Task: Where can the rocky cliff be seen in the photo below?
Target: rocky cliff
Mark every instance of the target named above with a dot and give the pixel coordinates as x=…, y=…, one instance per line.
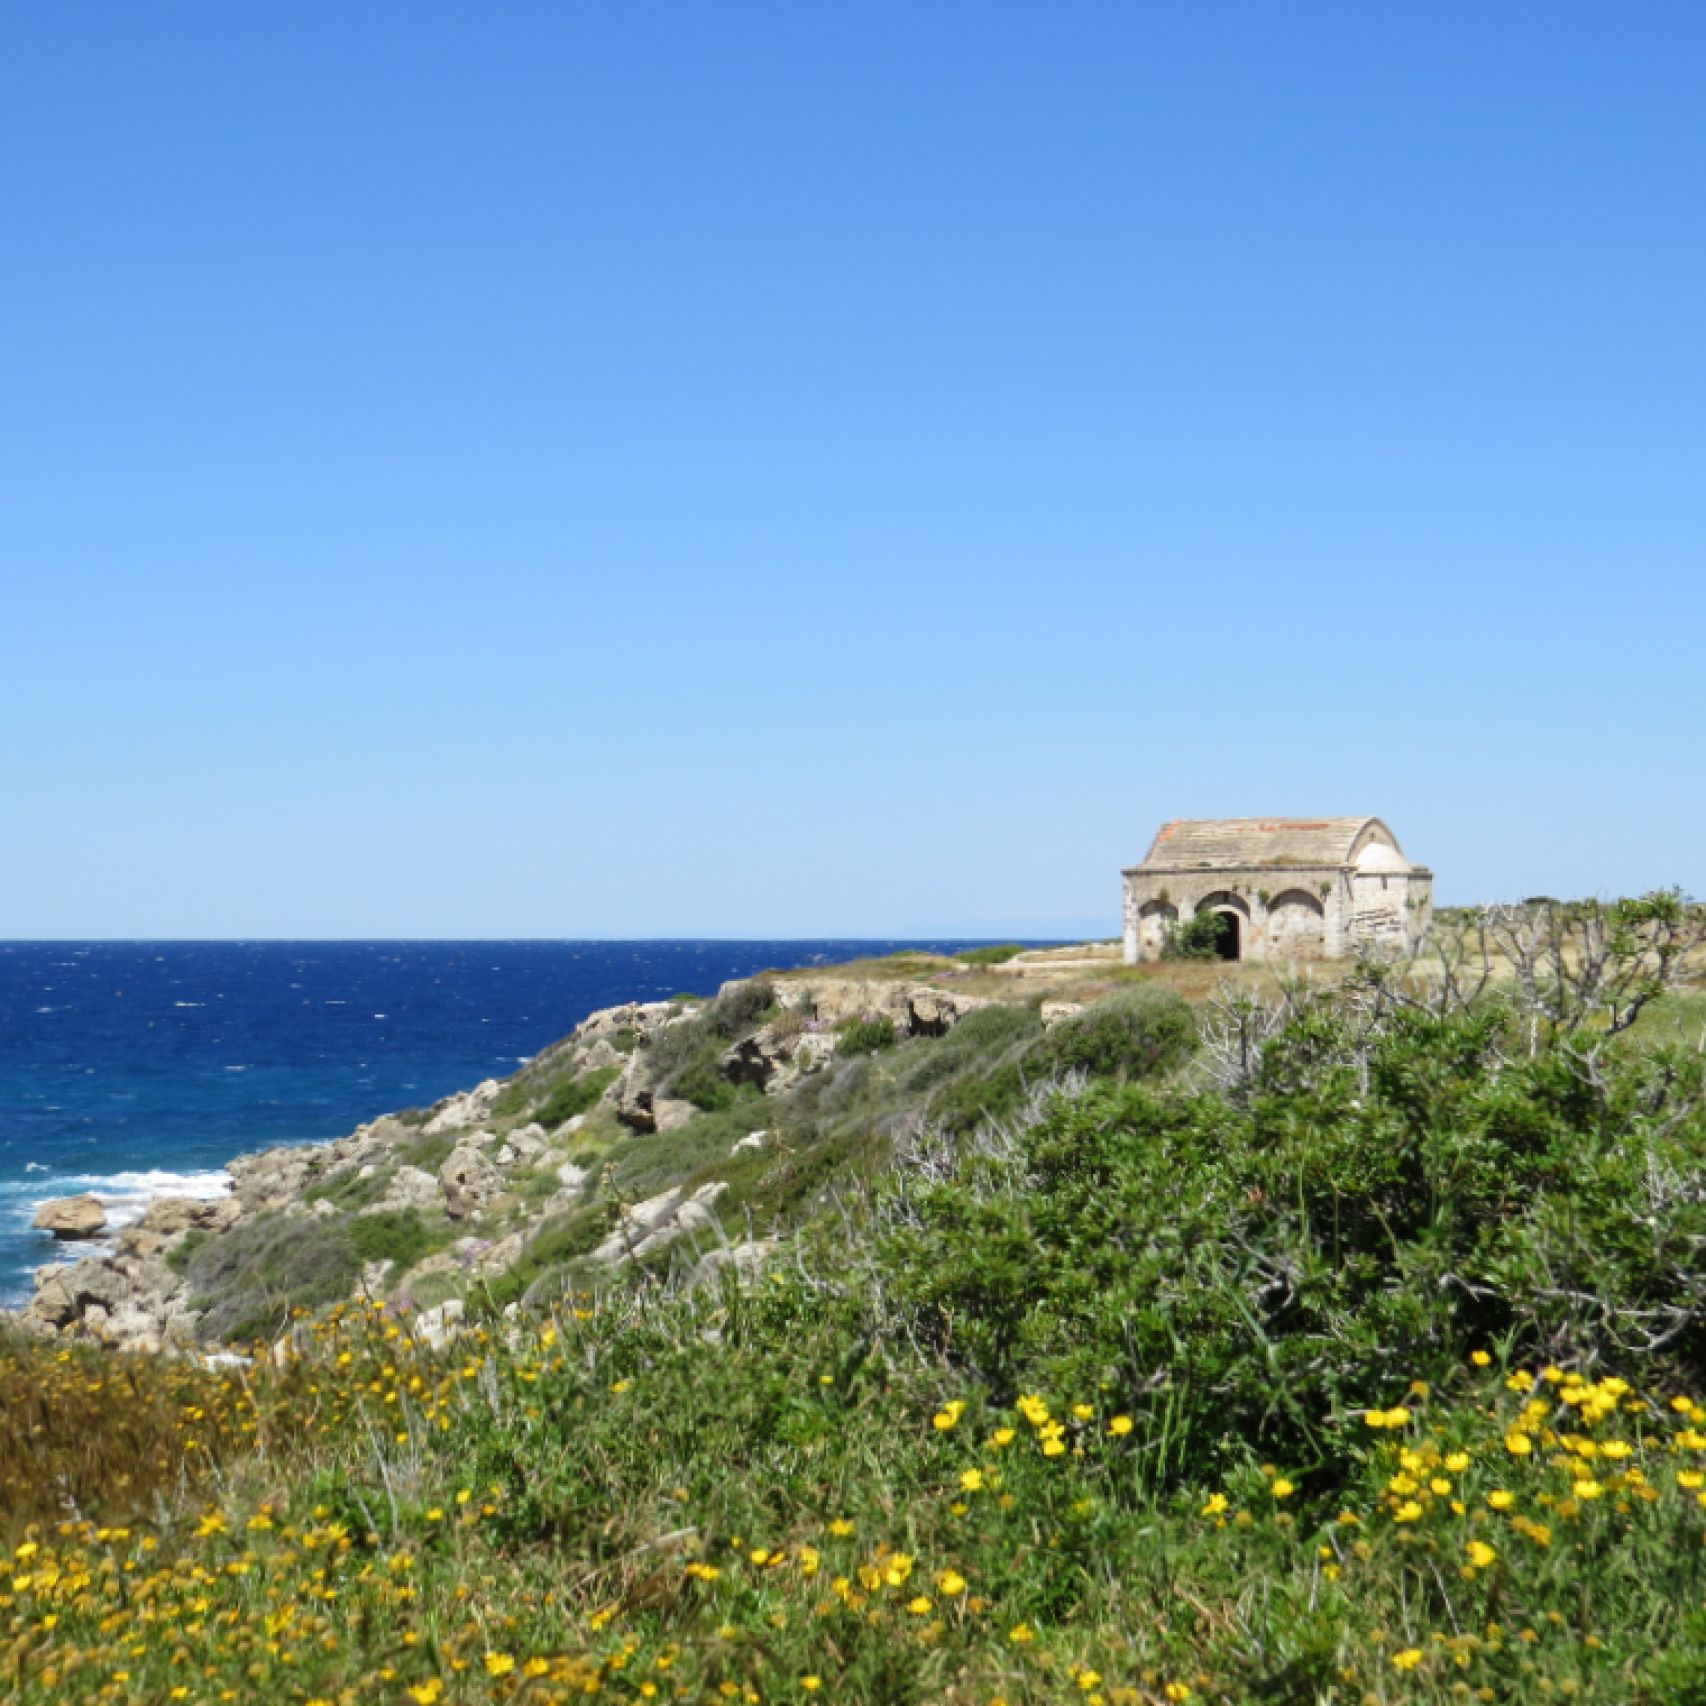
x=656, y=1131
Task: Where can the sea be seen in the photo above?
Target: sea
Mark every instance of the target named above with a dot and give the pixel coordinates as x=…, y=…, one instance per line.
x=135, y=1069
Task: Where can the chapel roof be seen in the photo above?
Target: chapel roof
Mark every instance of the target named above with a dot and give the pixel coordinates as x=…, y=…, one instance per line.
x=1246, y=843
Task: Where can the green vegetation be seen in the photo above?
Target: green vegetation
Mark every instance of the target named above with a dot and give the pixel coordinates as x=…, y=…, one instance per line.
x=350, y=1187
x=1347, y=1348
x=576, y=1096
x=1197, y=938
x=245, y=1282
x=993, y=956
x=1137, y=1033
x=868, y=1036
x=399, y=1236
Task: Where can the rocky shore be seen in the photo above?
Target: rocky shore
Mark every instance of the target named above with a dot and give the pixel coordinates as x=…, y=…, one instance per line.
x=513, y=1181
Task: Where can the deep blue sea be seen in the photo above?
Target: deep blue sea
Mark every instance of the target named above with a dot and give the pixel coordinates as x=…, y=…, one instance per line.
x=130, y=1068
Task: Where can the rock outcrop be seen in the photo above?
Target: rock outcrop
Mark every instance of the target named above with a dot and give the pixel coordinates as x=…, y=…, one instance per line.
x=658, y=1221
x=470, y=1182
x=482, y=1172
x=72, y=1217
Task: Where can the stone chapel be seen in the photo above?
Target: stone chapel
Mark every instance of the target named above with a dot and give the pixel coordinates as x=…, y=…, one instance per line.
x=1288, y=888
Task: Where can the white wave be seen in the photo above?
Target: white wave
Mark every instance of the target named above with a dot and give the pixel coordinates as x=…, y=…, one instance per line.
x=123, y=1195
x=37, y=1167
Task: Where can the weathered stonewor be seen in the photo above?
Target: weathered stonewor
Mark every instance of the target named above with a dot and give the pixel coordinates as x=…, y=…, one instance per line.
x=1287, y=888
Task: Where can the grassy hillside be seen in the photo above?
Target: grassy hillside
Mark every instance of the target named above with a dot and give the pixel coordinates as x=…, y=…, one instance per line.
x=1355, y=1351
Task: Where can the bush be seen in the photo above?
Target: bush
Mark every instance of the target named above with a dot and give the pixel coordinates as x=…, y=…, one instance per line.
x=349, y=1187
x=740, y=1009
x=577, y=1096
x=868, y=1036
x=399, y=1236
x=1197, y=938
x=1135, y=1034
x=995, y=956
x=244, y=1283
x=1377, y=1211
x=686, y=1063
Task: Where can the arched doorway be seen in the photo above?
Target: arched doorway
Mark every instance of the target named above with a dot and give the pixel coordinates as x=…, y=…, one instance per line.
x=1230, y=943
x=1231, y=915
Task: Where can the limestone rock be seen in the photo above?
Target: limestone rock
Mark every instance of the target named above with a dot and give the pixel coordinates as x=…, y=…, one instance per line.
x=640, y=1017
x=599, y=1055
x=470, y=1182
x=436, y=1327
x=670, y=1115
x=742, y=1260
x=463, y=1112
x=658, y=1221
x=640, y=1107
x=522, y=1147
x=935, y=1012
x=747, y=1145
x=1055, y=1012
x=409, y=1187
x=72, y=1217
x=497, y=1259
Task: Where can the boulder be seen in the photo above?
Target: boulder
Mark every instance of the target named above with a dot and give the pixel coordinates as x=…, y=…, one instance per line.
x=747, y=1145
x=1055, y=1012
x=599, y=1054
x=436, y=1327
x=409, y=1187
x=657, y=1222
x=72, y=1217
x=935, y=1012
x=640, y=1017
x=670, y=1115
x=497, y=1259
x=638, y=1104
x=276, y=1177
x=470, y=1182
x=742, y=1260
x=522, y=1147
x=465, y=1111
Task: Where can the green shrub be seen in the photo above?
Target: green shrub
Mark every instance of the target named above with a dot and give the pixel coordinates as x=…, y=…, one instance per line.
x=1197, y=938
x=994, y=956
x=867, y=1036
x=181, y=1254
x=1379, y=1209
x=740, y=1008
x=1137, y=1033
x=649, y=1163
x=427, y=1153
x=244, y=1283
x=399, y=1236
x=349, y=1188
x=575, y=1096
x=977, y=1045
x=686, y=1062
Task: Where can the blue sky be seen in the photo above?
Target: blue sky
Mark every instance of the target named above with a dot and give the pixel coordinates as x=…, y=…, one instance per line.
x=767, y=469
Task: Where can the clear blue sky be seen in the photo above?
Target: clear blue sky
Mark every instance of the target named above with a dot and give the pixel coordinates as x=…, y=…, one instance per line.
x=571, y=469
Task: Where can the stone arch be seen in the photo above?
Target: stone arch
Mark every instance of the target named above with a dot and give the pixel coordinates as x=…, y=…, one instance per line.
x=1224, y=900
x=1154, y=918
x=1235, y=939
x=1297, y=924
